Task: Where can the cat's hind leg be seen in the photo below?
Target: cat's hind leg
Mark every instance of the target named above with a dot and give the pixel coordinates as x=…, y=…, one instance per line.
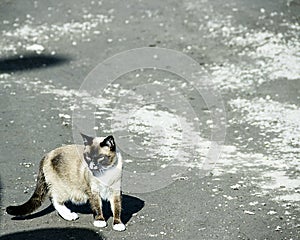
x=63, y=211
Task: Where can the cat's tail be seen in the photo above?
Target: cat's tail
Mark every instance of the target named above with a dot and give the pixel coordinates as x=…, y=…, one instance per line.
x=36, y=199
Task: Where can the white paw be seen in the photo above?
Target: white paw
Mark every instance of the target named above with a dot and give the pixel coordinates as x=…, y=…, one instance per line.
x=71, y=216
x=119, y=227
x=100, y=223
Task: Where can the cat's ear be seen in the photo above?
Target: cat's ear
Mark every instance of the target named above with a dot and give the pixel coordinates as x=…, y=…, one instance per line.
x=109, y=142
x=86, y=139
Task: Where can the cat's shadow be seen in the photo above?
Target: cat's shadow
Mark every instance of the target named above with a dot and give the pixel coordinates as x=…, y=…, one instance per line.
x=130, y=206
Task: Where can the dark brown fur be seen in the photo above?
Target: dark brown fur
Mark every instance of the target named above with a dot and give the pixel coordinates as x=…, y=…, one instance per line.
x=56, y=163
x=117, y=209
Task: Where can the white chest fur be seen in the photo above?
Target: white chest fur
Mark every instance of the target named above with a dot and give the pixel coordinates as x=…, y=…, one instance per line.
x=110, y=181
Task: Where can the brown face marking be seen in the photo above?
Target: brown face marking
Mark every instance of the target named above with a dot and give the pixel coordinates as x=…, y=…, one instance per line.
x=109, y=159
x=96, y=154
x=99, y=153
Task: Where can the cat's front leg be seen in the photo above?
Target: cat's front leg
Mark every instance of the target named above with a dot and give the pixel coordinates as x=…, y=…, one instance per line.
x=96, y=205
x=115, y=203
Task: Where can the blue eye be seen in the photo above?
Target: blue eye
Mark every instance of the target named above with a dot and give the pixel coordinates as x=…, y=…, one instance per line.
x=87, y=156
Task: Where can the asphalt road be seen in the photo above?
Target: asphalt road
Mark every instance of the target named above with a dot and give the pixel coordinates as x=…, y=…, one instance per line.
x=248, y=55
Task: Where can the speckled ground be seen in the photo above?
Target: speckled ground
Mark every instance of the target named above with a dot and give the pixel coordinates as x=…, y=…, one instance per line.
x=250, y=51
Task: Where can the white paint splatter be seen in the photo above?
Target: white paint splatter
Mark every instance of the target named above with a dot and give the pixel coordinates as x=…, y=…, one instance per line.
x=275, y=56
x=33, y=37
x=249, y=212
x=36, y=48
x=272, y=118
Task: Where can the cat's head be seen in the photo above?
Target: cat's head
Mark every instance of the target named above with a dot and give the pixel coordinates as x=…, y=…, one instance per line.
x=99, y=149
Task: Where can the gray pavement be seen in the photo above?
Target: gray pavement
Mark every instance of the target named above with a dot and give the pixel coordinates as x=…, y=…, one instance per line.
x=249, y=54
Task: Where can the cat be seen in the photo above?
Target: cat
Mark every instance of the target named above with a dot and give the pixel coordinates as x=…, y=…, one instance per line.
x=79, y=173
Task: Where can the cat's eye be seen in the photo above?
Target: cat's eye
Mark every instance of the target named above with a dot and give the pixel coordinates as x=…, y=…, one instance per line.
x=87, y=156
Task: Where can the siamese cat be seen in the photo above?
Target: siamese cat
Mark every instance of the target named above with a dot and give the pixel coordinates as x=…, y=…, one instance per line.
x=79, y=173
